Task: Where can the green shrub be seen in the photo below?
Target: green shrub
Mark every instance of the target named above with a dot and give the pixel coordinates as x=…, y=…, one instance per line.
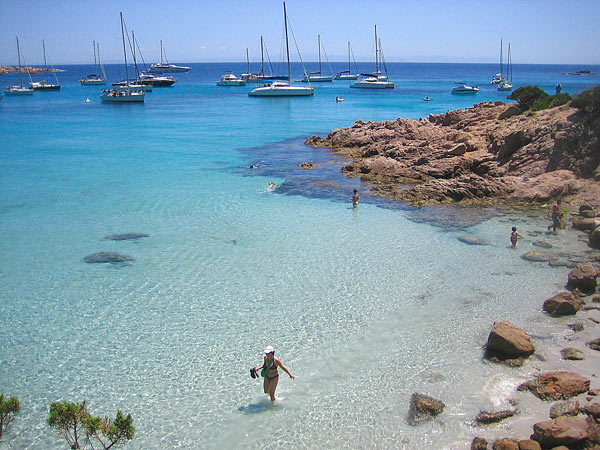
x=528, y=96
x=588, y=101
x=559, y=99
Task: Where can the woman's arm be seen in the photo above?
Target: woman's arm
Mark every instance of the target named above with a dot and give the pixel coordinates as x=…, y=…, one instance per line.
x=280, y=364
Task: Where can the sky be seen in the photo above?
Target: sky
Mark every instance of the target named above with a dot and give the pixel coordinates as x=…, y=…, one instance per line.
x=540, y=31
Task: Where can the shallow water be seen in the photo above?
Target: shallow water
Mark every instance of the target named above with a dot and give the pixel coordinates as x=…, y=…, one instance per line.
x=365, y=306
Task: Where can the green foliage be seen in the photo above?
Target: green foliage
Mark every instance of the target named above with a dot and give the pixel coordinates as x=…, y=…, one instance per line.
x=528, y=96
x=533, y=98
x=9, y=407
x=588, y=101
x=81, y=429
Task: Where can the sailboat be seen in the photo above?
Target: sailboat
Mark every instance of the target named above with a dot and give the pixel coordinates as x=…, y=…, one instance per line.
x=499, y=77
x=317, y=77
x=20, y=89
x=506, y=85
x=281, y=88
x=126, y=94
x=165, y=67
x=260, y=76
x=149, y=79
x=374, y=80
x=347, y=74
x=136, y=83
x=44, y=85
x=95, y=79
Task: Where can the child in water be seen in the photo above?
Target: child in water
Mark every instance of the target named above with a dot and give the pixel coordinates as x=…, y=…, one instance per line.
x=514, y=236
x=355, y=198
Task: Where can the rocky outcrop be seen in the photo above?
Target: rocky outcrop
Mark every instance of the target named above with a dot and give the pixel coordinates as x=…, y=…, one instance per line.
x=568, y=408
x=583, y=277
x=423, y=408
x=507, y=341
x=567, y=431
x=486, y=417
x=557, y=385
x=489, y=153
x=562, y=304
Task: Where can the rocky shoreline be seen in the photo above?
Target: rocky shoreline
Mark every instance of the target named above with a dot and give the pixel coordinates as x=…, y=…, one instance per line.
x=489, y=154
x=31, y=70
x=493, y=154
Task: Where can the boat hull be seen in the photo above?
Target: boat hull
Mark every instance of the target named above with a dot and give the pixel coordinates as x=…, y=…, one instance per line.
x=44, y=87
x=373, y=85
x=464, y=91
x=168, y=69
x=346, y=77
x=118, y=96
x=281, y=91
x=133, y=87
x=231, y=83
x=85, y=82
x=317, y=79
x=18, y=91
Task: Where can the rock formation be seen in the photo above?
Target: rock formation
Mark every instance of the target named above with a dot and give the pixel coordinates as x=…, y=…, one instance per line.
x=557, y=385
x=107, y=257
x=489, y=153
x=423, y=408
x=508, y=342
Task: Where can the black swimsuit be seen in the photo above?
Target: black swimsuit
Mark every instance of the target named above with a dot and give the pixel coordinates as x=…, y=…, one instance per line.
x=273, y=366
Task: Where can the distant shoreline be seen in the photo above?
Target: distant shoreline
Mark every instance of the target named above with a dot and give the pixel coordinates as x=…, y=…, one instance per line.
x=12, y=69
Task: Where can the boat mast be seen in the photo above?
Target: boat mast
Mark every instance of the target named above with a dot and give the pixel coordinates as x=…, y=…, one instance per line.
x=19, y=56
x=161, y=52
x=376, y=53
x=348, y=56
x=262, y=57
x=45, y=63
x=319, y=42
x=99, y=63
x=95, y=64
x=124, y=51
x=248, y=61
x=509, y=62
x=500, y=56
x=287, y=45
x=134, y=57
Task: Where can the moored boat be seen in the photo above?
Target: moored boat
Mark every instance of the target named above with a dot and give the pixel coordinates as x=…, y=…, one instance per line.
x=375, y=80
x=94, y=79
x=463, y=88
x=20, y=89
x=165, y=67
x=506, y=85
x=347, y=74
x=44, y=85
x=317, y=76
x=229, y=79
x=156, y=81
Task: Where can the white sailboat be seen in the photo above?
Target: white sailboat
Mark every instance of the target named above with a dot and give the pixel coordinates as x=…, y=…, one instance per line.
x=499, y=77
x=44, y=85
x=257, y=77
x=149, y=79
x=347, y=74
x=126, y=94
x=317, y=77
x=375, y=80
x=229, y=79
x=95, y=79
x=282, y=88
x=135, y=83
x=165, y=67
x=20, y=89
x=506, y=85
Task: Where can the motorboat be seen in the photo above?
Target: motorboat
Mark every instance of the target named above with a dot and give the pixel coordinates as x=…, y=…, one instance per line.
x=463, y=88
x=156, y=80
x=317, y=76
x=134, y=85
x=283, y=88
x=94, y=79
x=347, y=74
x=229, y=79
x=20, y=89
x=372, y=83
x=124, y=93
x=165, y=67
x=44, y=85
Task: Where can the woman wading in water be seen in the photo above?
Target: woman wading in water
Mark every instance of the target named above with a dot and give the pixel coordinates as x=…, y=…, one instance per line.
x=270, y=372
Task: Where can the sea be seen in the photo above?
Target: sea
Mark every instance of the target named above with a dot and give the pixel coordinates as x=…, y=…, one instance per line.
x=365, y=306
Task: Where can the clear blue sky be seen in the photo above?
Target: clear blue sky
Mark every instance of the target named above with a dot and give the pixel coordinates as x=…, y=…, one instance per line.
x=540, y=31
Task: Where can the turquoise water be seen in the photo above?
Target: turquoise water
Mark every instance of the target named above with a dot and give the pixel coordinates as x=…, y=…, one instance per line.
x=364, y=306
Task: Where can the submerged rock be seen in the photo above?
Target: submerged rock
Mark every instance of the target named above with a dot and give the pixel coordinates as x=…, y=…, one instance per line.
x=538, y=256
x=571, y=353
x=562, y=304
x=107, y=257
x=568, y=408
x=126, y=236
x=594, y=345
x=542, y=244
x=472, y=240
x=479, y=443
x=423, y=408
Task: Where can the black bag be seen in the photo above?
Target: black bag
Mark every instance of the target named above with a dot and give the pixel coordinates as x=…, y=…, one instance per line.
x=253, y=373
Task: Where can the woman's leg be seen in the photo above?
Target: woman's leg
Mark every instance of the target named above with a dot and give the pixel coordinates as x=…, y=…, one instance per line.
x=272, y=387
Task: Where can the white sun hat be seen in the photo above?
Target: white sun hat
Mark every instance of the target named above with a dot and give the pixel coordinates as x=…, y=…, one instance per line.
x=269, y=349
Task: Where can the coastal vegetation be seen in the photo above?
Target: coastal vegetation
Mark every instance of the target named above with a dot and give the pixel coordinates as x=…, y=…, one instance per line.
x=9, y=408
x=534, y=99
x=81, y=429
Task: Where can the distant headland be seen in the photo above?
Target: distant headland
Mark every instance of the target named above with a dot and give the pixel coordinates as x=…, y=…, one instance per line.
x=31, y=70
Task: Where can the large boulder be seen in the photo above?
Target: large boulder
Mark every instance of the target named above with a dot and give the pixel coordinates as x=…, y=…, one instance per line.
x=423, y=408
x=529, y=444
x=583, y=277
x=562, y=304
x=512, y=110
x=506, y=444
x=592, y=409
x=567, y=431
x=479, y=443
x=508, y=341
x=557, y=385
x=586, y=224
x=594, y=239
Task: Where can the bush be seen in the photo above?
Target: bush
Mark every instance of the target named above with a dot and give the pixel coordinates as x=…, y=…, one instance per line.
x=588, y=101
x=9, y=407
x=528, y=96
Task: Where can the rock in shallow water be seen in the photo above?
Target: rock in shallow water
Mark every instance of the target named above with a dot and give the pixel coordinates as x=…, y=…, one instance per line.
x=107, y=257
x=423, y=408
x=538, y=256
x=472, y=240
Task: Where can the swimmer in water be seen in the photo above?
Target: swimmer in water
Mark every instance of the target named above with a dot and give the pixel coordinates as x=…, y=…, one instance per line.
x=355, y=198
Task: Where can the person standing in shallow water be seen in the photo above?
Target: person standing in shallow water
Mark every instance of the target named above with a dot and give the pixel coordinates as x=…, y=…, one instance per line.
x=270, y=372
x=556, y=215
x=514, y=236
x=355, y=198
